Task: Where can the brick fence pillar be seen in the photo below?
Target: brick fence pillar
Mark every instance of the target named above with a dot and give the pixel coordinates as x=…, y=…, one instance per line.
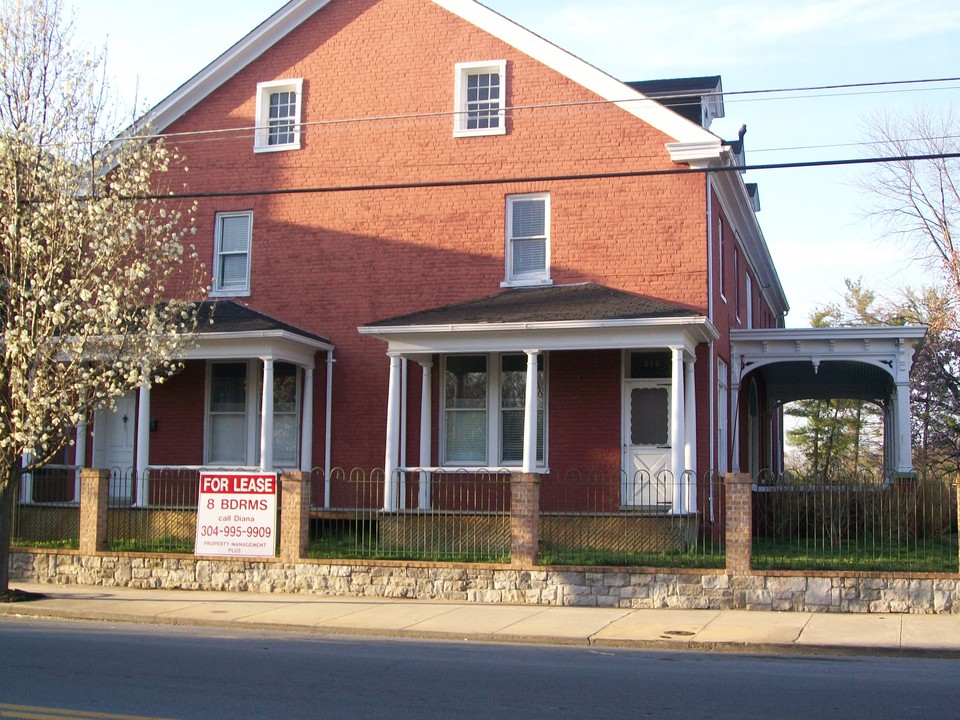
x=294, y=515
x=524, y=519
x=94, y=491
x=739, y=522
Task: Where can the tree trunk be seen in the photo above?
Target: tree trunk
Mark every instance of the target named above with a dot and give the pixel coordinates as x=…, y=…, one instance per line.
x=7, y=495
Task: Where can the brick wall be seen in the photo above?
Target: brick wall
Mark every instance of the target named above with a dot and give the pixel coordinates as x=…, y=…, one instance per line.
x=331, y=262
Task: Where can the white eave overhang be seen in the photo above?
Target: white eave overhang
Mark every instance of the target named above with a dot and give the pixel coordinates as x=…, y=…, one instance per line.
x=280, y=345
x=890, y=348
x=545, y=336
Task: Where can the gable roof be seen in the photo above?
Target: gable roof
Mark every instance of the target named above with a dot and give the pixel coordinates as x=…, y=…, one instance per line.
x=693, y=143
x=230, y=317
x=560, y=303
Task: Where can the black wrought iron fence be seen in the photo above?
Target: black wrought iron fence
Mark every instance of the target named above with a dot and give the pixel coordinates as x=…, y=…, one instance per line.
x=861, y=521
x=46, y=509
x=426, y=514
x=614, y=518
x=156, y=513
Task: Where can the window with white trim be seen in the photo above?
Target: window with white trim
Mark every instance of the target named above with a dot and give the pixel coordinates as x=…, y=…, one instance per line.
x=231, y=253
x=483, y=411
x=480, y=90
x=235, y=413
x=278, y=115
x=721, y=249
x=528, y=240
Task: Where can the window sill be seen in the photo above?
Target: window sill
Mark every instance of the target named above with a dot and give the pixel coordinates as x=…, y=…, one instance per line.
x=276, y=148
x=480, y=133
x=229, y=293
x=543, y=282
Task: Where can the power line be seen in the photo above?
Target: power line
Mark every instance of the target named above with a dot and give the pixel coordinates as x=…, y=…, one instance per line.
x=655, y=97
x=534, y=179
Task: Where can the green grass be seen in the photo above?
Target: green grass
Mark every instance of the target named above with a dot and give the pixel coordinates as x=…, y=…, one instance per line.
x=168, y=544
x=939, y=555
x=350, y=546
x=693, y=558
x=62, y=544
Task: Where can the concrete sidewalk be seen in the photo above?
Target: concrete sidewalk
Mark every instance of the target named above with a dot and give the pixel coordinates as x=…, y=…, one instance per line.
x=724, y=630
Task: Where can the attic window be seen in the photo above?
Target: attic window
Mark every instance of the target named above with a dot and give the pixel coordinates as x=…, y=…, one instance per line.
x=480, y=90
x=278, y=115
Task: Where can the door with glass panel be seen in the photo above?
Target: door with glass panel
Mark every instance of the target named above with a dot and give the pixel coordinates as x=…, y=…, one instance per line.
x=646, y=444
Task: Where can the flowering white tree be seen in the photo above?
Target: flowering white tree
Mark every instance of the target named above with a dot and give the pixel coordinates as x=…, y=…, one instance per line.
x=95, y=276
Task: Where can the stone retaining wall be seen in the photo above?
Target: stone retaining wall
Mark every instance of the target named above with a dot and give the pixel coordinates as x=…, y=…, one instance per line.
x=586, y=587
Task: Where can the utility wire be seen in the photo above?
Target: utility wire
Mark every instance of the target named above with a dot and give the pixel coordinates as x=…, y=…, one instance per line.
x=534, y=179
x=655, y=97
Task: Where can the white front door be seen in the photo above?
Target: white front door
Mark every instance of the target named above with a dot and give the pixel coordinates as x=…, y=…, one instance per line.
x=646, y=443
x=113, y=443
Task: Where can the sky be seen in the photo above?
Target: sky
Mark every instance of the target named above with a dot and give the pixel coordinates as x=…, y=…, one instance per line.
x=816, y=220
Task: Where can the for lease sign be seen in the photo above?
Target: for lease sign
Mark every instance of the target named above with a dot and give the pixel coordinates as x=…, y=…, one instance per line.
x=237, y=514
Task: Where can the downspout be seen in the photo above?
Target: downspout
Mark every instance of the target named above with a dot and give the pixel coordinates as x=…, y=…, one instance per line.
x=327, y=431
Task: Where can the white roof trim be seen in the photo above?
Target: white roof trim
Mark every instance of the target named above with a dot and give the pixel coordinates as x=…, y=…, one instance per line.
x=585, y=74
x=693, y=143
x=546, y=336
x=276, y=344
x=890, y=348
x=241, y=54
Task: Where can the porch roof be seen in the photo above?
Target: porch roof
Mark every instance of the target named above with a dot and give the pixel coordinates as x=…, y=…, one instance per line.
x=226, y=329
x=822, y=363
x=562, y=317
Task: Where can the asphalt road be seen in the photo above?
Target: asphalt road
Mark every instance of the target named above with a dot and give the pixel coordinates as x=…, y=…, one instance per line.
x=83, y=669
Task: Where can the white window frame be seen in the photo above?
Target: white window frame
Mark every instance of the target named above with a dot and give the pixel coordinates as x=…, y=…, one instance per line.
x=252, y=414
x=250, y=401
x=540, y=277
x=494, y=413
x=720, y=250
x=261, y=143
x=219, y=289
x=463, y=72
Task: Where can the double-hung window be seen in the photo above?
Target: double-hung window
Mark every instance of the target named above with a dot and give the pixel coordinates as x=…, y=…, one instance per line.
x=528, y=240
x=235, y=414
x=231, y=261
x=278, y=115
x=483, y=409
x=480, y=89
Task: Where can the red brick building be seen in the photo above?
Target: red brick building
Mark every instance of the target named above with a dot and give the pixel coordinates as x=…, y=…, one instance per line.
x=437, y=240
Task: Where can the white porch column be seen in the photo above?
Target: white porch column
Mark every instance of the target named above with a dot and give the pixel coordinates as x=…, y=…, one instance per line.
x=426, y=432
x=690, y=448
x=392, y=459
x=735, y=422
x=306, y=423
x=143, y=444
x=530, y=414
x=79, y=456
x=26, y=481
x=901, y=421
x=677, y=427
x=266, y=427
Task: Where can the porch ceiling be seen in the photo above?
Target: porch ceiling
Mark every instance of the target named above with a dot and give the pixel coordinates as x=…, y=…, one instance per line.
x=564, y=317
x=789, y=381
x=862, y=363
